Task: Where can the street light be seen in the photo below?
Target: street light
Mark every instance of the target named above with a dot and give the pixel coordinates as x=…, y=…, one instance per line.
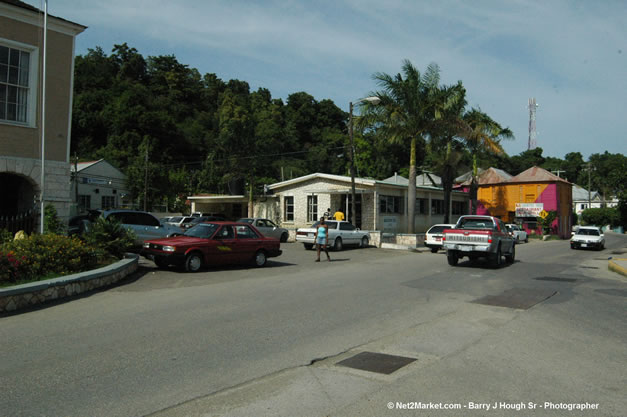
x=375, y=101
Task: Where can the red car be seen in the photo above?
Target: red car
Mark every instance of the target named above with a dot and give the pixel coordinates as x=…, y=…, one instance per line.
x=214, y=243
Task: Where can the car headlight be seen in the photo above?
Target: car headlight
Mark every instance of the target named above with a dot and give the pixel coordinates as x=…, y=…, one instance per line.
x=146, y=245
x=169, y=248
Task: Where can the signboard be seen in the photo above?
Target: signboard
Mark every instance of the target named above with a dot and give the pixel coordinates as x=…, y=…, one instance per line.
x=390, y=224
x=529, y=209
x=543, y=214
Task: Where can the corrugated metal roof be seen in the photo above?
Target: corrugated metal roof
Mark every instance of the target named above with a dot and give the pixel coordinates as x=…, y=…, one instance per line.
x=537, y=174
x=485, y=177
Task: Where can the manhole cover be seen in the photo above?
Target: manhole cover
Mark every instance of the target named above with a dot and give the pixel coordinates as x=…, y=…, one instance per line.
x=376, y=362
x=615, y=292
x=556, y=279
x=521, y=298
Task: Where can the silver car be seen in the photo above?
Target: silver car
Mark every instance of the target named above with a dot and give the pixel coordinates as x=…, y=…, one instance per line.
x=267, y=227
x=143, y=224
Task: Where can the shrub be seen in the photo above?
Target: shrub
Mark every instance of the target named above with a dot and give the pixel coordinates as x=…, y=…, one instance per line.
x=40, y=256
x=52, y=224
x=111, y=236
x=5, y=236
x=601, y=216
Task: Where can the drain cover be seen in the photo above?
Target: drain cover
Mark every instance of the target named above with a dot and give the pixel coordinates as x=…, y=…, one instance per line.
x=521, y=298
x=557, y=279
x=376, y=362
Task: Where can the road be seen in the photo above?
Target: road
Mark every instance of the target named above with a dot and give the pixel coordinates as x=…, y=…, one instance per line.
x=174, y=343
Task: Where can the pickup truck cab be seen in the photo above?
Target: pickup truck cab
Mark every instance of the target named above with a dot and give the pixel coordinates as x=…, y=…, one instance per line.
x=479, y=237
x=341, y=233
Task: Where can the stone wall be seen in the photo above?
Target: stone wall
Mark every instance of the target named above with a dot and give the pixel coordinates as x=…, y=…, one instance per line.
x=27, y=295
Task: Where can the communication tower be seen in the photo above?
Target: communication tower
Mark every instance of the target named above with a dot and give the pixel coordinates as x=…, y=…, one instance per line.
x=532, y=123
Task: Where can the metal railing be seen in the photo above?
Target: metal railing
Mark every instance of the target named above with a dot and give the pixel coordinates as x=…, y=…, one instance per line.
x=25, y=221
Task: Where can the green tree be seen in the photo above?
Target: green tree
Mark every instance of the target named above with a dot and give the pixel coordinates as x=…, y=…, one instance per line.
x=405, y=114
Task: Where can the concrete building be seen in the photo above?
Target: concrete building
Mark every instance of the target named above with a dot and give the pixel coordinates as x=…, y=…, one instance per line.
x=380, y=205
x=21, y=82
x=99, y=186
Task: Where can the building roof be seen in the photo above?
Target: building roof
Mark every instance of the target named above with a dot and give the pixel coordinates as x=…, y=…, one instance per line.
x=485, y=177
x=360, y=181
x=581, y=194
x=537, y=174
x=77, y=27
x=84, y=165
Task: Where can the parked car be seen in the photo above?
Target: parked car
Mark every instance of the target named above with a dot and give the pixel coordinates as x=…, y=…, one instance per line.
x=268, y=228
x=588, y=237
x=214, y=243
x=200, y=219
x=143, y=224
x=341, y=233
x=517, y=232
x=479, y=237
x=433, y=237
x=180, y=221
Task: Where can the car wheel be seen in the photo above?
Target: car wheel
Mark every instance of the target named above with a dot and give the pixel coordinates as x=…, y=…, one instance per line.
x=193, y=262
x=364, y=242
x=284, y=237
x=308, y=246
x=511, y=256
x=452, y=258
x=517, y=239
x=160, y=262
x=527, y=239
x=337, y=245
x=497, y=257
x=434, y=250
x=260, y=258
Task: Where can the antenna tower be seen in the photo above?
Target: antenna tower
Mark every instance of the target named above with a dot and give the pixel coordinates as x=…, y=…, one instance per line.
x=532, y=124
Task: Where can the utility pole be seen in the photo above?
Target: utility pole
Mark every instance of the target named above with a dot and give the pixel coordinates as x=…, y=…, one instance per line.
x=146, y=181
x=76, y=181
x=558, y=172
x=589, y=168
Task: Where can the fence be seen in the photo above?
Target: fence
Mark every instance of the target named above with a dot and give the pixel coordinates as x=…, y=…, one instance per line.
x=24, y=221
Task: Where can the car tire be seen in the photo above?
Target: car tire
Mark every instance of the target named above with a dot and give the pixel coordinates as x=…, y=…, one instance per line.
x=434, y=250
x=160, y=262
x=337, y=245
x=308, y=246
x=284, y=237
x=511, y=257
x=527, y=239
x=364, y=242
x=260, y=258
x=193, y=262
x=452, y=258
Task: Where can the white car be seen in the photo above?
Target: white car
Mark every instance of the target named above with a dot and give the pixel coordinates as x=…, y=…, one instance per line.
x=268, y=228
x=341, y=233
x=588, y=237
x=517, y=232
x=433, y=237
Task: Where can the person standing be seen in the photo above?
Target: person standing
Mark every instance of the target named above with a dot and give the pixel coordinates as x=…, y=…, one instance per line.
x=339, y=216
x=322, y=238
x=327, y=214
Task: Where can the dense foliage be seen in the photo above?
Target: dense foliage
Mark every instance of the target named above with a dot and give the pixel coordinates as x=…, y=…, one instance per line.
x=196, y=133
x=602, y=216
x=110, y=236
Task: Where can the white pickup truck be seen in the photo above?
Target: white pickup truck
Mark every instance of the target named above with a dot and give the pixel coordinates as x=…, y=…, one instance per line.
x=479, y=237
x=341, y=233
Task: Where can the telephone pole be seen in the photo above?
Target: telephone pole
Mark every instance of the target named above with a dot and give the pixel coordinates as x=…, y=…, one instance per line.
x=146, y=181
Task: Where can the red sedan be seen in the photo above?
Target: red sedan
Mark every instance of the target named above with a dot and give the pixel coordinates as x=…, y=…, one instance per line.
x=215, y=243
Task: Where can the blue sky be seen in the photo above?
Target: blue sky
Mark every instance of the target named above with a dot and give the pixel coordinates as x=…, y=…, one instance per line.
x=570, y=55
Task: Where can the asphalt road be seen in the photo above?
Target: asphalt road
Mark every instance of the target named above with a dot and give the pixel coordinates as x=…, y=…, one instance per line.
x=167, y=342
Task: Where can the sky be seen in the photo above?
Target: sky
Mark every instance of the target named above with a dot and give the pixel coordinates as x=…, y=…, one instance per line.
x=571, y=55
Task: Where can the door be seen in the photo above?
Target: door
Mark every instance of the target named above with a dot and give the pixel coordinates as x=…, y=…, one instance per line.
x=349, y=234
x=247, y=244
x=222, y=249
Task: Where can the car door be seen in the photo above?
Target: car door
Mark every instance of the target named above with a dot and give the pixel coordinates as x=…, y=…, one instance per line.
x=247, y=243
x=273, y=230
x=349, y=234
x=507, y=241
x=263, y=227
x=223, y=247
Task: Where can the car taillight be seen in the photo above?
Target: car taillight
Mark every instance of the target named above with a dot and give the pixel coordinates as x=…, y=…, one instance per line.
x=443, y=238
x=490, y=238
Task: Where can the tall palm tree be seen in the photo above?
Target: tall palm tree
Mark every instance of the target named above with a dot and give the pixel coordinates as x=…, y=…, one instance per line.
x=481, y=133
x=405, y=113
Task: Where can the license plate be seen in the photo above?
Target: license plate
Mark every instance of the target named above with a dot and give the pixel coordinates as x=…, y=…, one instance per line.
x=583, y=245
x=465, y=248
x=310, y=235
x=438, y=239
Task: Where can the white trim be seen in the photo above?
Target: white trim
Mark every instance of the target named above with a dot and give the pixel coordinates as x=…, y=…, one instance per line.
x=33, y=82
x=342, y=178
x=32, y=17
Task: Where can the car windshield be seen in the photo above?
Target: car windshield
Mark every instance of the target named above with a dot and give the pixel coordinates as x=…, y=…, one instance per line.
x=438, y=229
x=176, y=219
x=589, y=232
x=202, y=230
x=331, y=224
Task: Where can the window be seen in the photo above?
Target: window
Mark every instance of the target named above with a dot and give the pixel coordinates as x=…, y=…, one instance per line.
x=288, y=209
x=84, y=202
x=390, y=204
x=15, y=84
x=437, y=206
x=459, y=207
x=108, y=202
x=346, y=226
x=226, y=233
x=312, y=208
x=421, y=205
x=245, y=232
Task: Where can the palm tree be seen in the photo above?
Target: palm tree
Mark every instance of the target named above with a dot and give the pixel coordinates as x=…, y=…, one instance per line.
x=481, y=133
x=406, y=112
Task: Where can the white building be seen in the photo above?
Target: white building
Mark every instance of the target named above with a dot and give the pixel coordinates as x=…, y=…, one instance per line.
x=99, y=186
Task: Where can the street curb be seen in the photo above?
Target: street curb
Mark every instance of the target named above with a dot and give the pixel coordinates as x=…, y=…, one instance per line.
x=34, y=293
x=613, y=266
